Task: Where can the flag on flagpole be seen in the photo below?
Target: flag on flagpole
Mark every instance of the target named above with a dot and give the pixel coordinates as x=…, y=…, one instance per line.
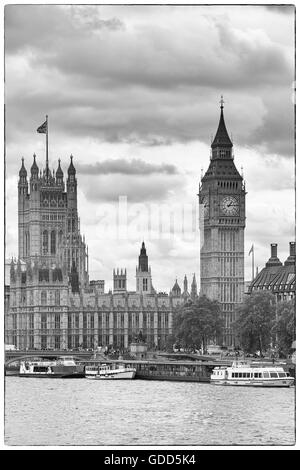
x=251, y=250
x=43, y=128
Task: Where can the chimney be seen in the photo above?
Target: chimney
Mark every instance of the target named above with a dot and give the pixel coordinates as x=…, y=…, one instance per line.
x=273, y=261
x=292, y=257
x=273, y=250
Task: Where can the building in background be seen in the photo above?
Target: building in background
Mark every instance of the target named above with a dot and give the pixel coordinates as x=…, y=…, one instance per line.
x=278, y=278
x=50, y=302
x=222, y=224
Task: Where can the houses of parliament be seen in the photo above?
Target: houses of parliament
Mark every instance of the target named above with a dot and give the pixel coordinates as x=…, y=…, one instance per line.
x=52, y=304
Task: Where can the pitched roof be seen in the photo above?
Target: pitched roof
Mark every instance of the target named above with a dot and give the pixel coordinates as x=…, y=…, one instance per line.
x=221, y=138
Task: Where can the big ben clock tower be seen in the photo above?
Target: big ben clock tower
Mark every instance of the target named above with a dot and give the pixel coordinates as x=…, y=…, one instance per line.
x=222, y=224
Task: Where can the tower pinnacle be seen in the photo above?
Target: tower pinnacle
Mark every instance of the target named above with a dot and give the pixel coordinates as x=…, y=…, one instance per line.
x=222, y=102
x=222, y=139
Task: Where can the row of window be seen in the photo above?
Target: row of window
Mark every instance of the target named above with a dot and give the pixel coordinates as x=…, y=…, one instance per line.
x=228, y=184
x=88, y=341
x=45, y=241
x=118, y=320
x=53, y=298
x=257, y=375
x=53, y=217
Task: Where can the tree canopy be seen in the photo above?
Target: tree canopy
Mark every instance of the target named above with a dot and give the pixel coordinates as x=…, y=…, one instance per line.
x=195, y=323
x=285, y=326
x=256, y=317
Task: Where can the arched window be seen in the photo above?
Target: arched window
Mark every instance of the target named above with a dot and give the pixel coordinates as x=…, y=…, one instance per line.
x=27, y=243
x=45, y=242
x=53, y=242
x=60, y=237
x=57, y=297
x=44, y=297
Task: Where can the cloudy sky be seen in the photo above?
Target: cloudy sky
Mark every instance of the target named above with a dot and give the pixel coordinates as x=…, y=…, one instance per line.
x=133, y=93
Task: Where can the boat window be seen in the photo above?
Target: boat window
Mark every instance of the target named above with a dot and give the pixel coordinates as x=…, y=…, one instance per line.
x=40, y=369
x=281, y=374
x=274, y=374
x=266, y=375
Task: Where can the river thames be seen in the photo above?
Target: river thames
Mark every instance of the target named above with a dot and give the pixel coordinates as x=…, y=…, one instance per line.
x=58, y=412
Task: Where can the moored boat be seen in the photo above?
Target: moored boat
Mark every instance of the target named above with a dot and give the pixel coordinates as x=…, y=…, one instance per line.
x=253, y=375
x=106, y=371
x=63, y=367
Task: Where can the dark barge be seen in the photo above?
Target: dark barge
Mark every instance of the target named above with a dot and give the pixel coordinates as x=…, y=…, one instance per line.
x=183, y=371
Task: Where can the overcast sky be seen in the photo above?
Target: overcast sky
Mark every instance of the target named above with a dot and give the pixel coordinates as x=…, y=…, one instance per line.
x=133, y=93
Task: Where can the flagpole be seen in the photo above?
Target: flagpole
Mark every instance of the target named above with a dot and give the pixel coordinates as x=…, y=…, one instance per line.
x=252, y=262
x=47, y=145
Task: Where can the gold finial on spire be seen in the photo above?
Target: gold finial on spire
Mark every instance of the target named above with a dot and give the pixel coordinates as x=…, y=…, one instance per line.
x=222, y=102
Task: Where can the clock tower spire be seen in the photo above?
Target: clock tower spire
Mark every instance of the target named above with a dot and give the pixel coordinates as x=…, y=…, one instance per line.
x=222, y=224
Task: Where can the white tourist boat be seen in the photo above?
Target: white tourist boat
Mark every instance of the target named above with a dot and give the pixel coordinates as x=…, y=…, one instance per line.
x=252, y=375
x=105, y=371
x=63, y=367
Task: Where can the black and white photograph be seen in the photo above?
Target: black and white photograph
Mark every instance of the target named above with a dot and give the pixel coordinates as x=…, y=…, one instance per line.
x=149, y=258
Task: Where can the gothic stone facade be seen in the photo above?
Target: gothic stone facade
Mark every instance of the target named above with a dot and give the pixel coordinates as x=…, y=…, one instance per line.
x=222, y=212
x=51, y=302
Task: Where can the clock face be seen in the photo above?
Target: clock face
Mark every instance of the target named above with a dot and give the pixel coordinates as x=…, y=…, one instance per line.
x=230, y=205
x=205, y=203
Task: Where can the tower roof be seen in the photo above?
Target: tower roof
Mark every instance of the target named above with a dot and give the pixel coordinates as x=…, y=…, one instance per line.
x=221, y=138
x=143, y=249
x=143, y=259
x=59, y=172
x=71, y=169
x=22, y=171
x=176, y=287
x=34, y=167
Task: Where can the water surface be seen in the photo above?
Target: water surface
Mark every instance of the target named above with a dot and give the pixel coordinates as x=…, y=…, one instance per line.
x=140, y=412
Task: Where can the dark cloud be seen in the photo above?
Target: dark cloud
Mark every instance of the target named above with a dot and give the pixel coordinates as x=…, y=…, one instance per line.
x=276, y=133
x=137, y=188
x=46, y=27
x=147, y=83
x=281, y=9
x=125, y=167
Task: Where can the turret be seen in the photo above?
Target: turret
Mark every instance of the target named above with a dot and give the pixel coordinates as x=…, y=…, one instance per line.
x=143, y=273
x=143, y=259
x=34, y=169
x=194, y=288
x=119, y=281
x=12, y=272
x=59, y=174
x=72, y=186
x=185, y=285
x=23, y=183
x=74, y=278
x=176, y=291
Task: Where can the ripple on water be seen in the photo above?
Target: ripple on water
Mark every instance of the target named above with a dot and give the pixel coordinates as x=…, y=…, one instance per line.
x=83, y=412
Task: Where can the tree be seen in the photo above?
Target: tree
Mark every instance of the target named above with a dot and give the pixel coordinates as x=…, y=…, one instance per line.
x=285, y=326
x=256, y=316
x=195, y=323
